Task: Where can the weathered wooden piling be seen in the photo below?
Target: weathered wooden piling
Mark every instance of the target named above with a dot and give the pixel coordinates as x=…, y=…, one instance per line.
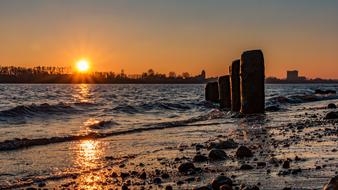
x=235, y=92
x=224, y=91
x=211, y=92
x=252, y=82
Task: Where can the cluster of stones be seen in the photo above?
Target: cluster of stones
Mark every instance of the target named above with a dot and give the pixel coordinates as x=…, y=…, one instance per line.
x=243, y=89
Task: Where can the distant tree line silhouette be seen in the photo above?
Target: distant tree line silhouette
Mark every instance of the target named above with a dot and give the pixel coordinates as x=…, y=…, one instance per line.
x=41, y=74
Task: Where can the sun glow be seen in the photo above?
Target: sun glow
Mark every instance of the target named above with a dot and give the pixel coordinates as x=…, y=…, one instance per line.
x=82, y=65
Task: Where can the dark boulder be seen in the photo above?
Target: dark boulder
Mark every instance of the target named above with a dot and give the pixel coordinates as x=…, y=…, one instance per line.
x=186, y=167
x=228, y=144
x=225, y=187
x=217, y=154
x=331, y=106
x=165, y=176
x=331, y=115
x=324, y=92
x=200, y=158
x=124, y=187
x=286, y=164
x=243, y=152
x=202, y=188
x=143, y=176
x=332, y=185
x=219, y=181
x=246, y=167
x=157, y=181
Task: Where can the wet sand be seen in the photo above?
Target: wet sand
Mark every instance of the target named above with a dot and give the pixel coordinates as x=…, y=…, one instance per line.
x=294, y=149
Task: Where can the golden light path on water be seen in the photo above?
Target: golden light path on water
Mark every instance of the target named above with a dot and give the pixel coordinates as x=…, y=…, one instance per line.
x=89, y=152
x=88, y=157
x=82, y=93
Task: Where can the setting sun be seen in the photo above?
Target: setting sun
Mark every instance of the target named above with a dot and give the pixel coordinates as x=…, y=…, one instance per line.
x=82, y=65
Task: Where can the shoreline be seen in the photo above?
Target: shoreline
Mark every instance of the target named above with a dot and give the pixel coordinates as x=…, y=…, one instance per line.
x=298, y=152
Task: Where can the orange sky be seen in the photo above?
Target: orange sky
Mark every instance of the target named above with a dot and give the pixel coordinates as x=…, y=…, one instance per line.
x=171, y=36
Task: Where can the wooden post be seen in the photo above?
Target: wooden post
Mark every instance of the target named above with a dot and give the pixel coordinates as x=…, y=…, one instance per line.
x=224, y=91
x=235, y=86
x=252, y=82
x=211, y=92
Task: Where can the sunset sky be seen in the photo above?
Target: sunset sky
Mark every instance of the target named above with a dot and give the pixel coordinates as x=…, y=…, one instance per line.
x=171, y=35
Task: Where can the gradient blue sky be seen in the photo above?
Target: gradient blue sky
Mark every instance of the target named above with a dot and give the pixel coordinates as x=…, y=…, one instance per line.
x=171, y=35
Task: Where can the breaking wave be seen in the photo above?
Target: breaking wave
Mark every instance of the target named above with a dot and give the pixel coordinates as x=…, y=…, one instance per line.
x=26, y=143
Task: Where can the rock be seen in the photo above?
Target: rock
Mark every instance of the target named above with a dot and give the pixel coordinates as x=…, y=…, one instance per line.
x=157, y=180
x=331, y=115
x=219, y=181
x=286, y=164
x=261, y=164
x=211, y=92
x=224, y=92
x=143, y=175
x=228, y=144
x=225, y=187
x=199, y=147
x=180, y=183
x=254, y=187
x=243, y=152
x=124, y=175
x=235, y=86
x=246, y=167
x=31, y=188
x=333, y=184
x=202, y=188
x=41, y=184
x=252, y=82
x=186, y=167
x=165, y=176
x=168, y=187
x=217, y=154
x=324, y=92
x=331, y=106
x=124, y=187
x=200, y=158
x=273, y=108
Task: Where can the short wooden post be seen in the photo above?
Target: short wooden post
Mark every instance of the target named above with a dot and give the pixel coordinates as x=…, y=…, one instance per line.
x=211, y=92
x=235, y=86
x=224, y=92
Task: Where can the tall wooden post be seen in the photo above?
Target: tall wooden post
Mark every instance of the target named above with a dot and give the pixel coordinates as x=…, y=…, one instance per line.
x=252, y=82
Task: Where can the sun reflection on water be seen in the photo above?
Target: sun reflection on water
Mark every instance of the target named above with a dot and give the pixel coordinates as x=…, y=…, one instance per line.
x=88, y=158
x=82, y=93
x=88, y=154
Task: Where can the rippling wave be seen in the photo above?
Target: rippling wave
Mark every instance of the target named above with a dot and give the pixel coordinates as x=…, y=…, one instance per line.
x=34, y=109
x=296, y=99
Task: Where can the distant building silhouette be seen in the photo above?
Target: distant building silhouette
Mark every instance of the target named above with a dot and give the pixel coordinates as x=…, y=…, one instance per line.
x=293, y=76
